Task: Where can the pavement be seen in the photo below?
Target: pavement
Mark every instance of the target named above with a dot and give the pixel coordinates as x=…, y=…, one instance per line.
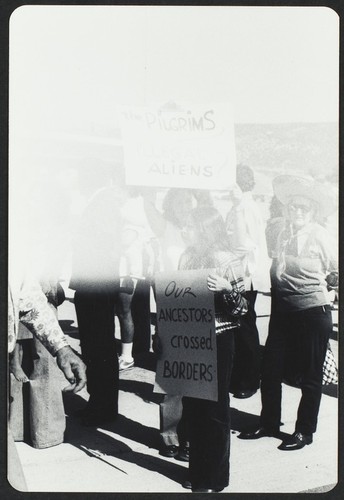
x=123, y=456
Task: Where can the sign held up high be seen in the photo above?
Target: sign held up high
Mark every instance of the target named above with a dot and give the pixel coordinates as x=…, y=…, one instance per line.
x=191, y=147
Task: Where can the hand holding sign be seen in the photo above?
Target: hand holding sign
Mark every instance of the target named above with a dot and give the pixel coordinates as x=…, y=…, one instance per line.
x=217, y=283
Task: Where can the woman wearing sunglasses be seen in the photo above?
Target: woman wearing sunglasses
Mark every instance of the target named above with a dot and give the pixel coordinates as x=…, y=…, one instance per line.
x=303, y=259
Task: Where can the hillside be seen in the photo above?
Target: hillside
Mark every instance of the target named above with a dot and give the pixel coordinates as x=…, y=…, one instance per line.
x=311, y=148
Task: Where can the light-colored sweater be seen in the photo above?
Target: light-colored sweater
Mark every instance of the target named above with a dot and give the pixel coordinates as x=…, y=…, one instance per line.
x=303, y=260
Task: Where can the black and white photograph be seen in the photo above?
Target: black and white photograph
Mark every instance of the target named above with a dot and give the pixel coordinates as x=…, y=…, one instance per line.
x=173, y=286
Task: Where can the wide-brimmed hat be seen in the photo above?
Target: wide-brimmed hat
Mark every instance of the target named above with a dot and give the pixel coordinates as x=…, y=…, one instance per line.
x=287, y=186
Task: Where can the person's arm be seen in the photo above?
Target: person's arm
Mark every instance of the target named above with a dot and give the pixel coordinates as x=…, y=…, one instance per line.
x=273, y=229
x=73, y=369
x=232, y=291
x=155, y=219
x=328, y=251
x=236, y=222
x=244, y=225
x=36, y=314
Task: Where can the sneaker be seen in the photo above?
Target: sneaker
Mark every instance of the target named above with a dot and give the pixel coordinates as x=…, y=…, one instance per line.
x=123, y=364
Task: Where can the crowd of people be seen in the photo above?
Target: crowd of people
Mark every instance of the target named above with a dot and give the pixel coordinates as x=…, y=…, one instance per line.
x=124, y=237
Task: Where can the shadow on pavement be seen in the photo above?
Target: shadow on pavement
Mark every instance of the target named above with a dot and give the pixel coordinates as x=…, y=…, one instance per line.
x=130, y=429
x=93, y=442
x=241, y=421
x=146, y=360
x=244, y=422
x=142, y=389
x=148, y=436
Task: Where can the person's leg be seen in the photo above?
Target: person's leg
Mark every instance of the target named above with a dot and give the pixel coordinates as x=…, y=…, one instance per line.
x=15, y=363
x=123, y=310
x=315, y=329
x=272, y=371
x=95, y=314
x=170, y=413
x=209, y=426
x=246, y=366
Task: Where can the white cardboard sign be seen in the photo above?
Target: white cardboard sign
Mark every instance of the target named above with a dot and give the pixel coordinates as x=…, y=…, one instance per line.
x=191, y=147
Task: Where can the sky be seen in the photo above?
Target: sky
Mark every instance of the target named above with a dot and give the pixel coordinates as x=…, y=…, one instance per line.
x=72, y=66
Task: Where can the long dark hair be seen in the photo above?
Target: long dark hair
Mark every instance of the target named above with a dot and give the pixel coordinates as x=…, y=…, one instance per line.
x=172, y=195
x=210, y=224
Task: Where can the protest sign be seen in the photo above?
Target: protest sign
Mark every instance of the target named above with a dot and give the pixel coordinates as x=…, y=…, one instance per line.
x=186, y=327
x=191, y=147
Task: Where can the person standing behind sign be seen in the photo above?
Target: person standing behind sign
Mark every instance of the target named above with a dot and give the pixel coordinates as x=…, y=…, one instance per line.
x=209, y=421
x=167, y=226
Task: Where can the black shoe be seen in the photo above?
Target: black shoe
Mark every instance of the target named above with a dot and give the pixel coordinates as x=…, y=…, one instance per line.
x=258, y=433
x=170, y=451
x=183, y=453
x=244, y=394
x=187, y=484
x=296, y=441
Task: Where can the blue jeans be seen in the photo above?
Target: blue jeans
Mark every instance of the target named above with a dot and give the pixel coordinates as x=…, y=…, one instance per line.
x=36, y=411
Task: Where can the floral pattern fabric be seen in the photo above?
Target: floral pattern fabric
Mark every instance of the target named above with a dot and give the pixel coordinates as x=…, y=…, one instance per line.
x=29, y=305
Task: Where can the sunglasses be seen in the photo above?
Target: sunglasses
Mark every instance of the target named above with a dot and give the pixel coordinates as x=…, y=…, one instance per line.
x=304, y=208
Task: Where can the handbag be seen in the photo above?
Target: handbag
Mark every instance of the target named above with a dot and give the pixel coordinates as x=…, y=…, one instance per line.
x=330, y=370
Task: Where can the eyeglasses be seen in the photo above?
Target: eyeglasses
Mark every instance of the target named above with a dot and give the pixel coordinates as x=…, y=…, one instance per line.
x=304, y=208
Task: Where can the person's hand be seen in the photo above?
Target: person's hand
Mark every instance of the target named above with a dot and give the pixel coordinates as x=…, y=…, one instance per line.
x=332, y=280
x=73, y=369
x=217, y=283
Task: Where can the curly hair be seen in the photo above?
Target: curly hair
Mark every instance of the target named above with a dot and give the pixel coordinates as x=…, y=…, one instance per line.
x=245, y=178
x=170, y=199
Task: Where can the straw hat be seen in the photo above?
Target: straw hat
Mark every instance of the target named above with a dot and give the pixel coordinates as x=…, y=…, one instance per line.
x=287, y=186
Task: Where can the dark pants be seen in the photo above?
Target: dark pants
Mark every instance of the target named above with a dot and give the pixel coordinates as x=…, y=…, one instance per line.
x=309, y=330
x=247, y=358
x=209, y=425
x=140, y=310
x=96, y=321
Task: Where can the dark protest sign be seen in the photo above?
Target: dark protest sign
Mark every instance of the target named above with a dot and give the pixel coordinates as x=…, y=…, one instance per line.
x=186, y=327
